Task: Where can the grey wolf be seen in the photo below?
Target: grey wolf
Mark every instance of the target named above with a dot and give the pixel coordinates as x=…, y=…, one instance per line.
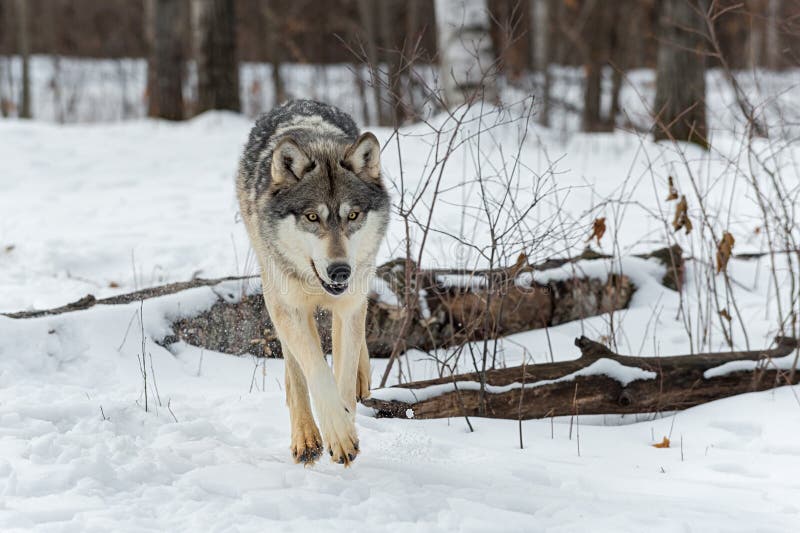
x=316, y=209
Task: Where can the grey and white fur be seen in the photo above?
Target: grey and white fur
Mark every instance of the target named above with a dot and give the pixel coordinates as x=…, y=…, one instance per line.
x=316, y=209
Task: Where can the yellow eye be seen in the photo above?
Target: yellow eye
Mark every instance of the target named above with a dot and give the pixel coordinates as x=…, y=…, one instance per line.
x=313, y=217
x=353, y=215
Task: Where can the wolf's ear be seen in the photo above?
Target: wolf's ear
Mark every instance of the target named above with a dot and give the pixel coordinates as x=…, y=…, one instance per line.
x=289, y=163
x=364, y=157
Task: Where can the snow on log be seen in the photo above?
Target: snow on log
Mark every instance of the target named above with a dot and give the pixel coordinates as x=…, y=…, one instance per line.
x=599, y=382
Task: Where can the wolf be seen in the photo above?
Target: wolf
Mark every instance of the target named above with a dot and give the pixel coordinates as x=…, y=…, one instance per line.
x=316, y=210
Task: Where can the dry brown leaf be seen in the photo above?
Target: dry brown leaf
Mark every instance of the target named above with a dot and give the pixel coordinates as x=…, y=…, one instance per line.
x=681, y=219
x=113, y=285
x=663, y=444
x=598, y=229
x=522, y=262
x=725, y=314
x=673, y=192
x=724, y=251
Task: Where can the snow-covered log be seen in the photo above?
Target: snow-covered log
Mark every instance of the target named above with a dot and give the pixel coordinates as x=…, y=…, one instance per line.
x=453, y=305
x=599, y=382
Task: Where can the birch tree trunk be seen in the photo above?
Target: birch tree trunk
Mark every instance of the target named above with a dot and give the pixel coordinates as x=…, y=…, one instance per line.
x=165, y=61
x=680, y=105
x=213, y=24
x=23, y=38
x=466, y=59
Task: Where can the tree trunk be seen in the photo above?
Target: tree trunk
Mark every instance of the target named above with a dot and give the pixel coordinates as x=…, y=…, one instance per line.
x=4, y=99
x=392, y=56
x=539, y=11
x=165, y=61
x=274, y=45
x=598, y=47
x=466, y=59
x=367, y=17
x=773, y=40
x=755, y=36
x=215, y=52
x=599, y=382
x=680, y=105
x=410, y=50
x=625, y=22
x=23, y=42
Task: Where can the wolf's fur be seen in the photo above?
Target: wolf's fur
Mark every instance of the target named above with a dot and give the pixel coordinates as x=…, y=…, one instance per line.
x=303, y=160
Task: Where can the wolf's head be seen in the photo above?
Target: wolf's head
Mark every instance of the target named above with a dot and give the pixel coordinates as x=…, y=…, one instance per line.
x=326, y=208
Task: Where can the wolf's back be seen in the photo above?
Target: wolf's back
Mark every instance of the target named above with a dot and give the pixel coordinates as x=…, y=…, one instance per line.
x=304, y=120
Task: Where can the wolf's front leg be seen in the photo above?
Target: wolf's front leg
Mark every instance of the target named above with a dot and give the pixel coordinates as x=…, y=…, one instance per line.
x=348, y=344
x=306, y=441
x=298, y=332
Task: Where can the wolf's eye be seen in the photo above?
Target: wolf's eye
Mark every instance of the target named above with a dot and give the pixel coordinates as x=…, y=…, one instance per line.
x=353, y=215
x=313, y=217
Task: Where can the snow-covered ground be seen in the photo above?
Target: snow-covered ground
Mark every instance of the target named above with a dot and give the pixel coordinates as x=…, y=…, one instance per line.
x=108, y=208
x=79, y=453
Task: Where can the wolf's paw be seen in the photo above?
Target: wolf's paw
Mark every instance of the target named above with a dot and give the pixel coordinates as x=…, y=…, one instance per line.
x=306, y=445
x=341, y=438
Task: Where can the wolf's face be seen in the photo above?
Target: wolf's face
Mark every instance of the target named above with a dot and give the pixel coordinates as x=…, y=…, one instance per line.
x=327, y=209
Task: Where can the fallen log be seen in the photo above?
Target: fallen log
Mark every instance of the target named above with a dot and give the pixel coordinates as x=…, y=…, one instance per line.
x=453, y=310
x=599, y=382
x=455, y=306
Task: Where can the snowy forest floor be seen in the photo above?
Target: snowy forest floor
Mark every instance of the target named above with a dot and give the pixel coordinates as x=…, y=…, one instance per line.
x=108, y=208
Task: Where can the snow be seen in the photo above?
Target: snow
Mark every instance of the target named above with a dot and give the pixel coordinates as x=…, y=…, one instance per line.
x=606, y=367
x=67, y=465
x=786, y=362
x=106, y=208
x=383, y=293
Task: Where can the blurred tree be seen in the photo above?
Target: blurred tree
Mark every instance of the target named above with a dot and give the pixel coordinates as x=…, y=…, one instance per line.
x=4, y=100
x=626, y=35
x=164, y=32
x=274, y=49
x=213, y=28
x=369, y=44
x=773, y=54
x=466, y=60
x=755, y=35
x=24, y=44
x=680, y=105
x=597, y=50
x=392, y=40
x=589, y=26
x=540, y=14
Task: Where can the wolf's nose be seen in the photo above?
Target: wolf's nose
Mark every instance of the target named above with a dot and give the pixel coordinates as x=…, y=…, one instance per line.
x=339, y=272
